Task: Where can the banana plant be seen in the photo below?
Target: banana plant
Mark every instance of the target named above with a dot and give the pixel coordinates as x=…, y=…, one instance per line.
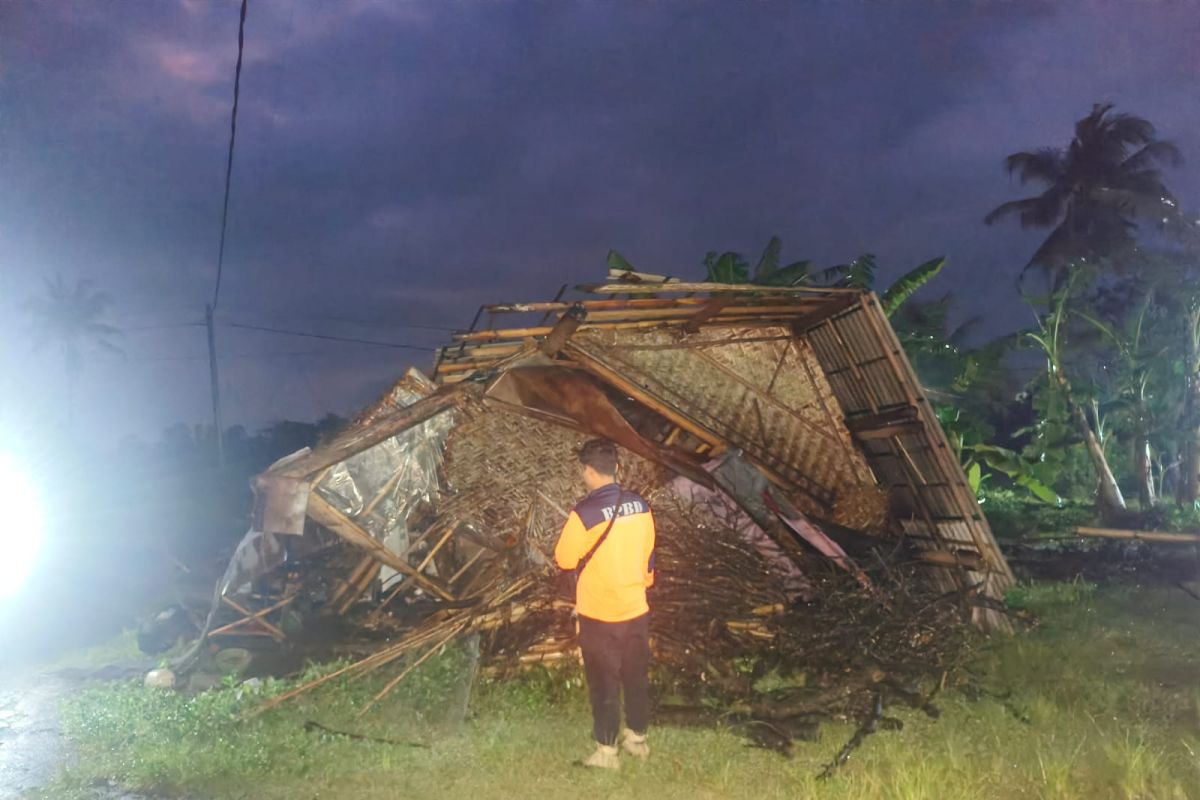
x=1050, y=338
x=965, y=437
x=768, y=272
x=1137, y=369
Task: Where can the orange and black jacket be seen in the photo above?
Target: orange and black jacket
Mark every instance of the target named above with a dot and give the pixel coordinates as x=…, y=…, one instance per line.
x=612, y=587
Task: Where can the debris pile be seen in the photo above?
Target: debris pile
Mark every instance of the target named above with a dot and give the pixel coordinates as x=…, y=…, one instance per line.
x=760, y=423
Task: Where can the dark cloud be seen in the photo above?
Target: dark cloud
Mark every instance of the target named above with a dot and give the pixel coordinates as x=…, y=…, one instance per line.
x=404, y=162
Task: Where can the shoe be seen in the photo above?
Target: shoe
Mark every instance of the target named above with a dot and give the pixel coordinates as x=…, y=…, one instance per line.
x=635, y=744
x=605, y=757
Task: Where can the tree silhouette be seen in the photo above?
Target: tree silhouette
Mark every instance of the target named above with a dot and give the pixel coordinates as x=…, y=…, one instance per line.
x=1095, y=189
x=70, y=317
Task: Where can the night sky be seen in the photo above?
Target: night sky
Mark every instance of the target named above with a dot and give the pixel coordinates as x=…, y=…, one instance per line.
x=400, y=163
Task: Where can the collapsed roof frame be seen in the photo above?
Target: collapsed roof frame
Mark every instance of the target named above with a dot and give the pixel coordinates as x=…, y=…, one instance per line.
x=876, y=398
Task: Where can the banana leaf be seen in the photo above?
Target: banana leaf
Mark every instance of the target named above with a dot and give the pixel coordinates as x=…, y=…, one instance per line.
x=908, y=283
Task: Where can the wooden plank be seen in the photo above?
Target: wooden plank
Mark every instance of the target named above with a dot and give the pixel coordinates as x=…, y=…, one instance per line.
x=1145, y=536
x=325, y=514
x=386, y=426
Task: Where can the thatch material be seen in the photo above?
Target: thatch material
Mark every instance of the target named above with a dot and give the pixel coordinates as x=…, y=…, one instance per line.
x=863, y=508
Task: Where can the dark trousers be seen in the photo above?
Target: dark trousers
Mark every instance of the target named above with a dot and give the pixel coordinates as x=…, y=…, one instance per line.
x=616, y=657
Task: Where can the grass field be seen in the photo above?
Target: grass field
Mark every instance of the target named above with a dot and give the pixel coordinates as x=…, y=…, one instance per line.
x=1100, y=700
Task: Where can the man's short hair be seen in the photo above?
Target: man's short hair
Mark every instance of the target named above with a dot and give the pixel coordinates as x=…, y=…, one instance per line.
x=600, y=455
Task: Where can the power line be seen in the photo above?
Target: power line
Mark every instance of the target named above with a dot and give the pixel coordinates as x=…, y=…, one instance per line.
x=381, y=323
x=158, y=327
x=223, y=357
x=237, y=82
x=326, y=337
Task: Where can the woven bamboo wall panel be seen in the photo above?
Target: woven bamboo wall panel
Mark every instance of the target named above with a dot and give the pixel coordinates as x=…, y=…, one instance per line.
x=498, y=461
x=721, y=380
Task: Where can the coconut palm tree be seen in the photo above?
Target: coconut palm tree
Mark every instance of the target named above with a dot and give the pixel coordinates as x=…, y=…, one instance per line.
x=1094, y=190
x=70, y=317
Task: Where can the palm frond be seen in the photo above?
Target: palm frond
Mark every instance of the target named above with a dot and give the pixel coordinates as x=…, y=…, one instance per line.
x=1161, y=152
x=1003, y=210
x=1129, y=129
x=1046, y=164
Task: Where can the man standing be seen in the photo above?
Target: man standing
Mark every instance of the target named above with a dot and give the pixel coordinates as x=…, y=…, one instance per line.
x=609, y=540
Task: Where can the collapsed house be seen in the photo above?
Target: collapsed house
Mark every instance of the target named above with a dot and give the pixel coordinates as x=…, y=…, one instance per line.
x=776, y=431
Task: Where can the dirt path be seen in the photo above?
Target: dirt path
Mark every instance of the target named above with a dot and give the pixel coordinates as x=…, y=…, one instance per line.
x=31, y=743
x=32, y=746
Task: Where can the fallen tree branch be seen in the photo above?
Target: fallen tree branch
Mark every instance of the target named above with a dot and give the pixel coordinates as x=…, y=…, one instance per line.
x=313, y=725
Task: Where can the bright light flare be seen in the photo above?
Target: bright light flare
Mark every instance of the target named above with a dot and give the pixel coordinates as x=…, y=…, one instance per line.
x=20, y=526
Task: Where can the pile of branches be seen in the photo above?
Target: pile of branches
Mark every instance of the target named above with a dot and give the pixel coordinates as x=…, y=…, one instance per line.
x=720, y=623
x=712, y=602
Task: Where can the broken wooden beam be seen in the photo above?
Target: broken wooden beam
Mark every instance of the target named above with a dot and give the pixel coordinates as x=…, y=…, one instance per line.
x=322, y=512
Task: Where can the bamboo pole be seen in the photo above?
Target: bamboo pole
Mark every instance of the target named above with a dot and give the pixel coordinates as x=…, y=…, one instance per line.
x=455, y=631
x=345, y=585
x=359, y=587
x=1146, y=536
x=741, y=288
x=721, y=321
x=273, y=631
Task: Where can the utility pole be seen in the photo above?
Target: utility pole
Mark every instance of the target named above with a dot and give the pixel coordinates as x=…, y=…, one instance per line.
x=216, y=385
